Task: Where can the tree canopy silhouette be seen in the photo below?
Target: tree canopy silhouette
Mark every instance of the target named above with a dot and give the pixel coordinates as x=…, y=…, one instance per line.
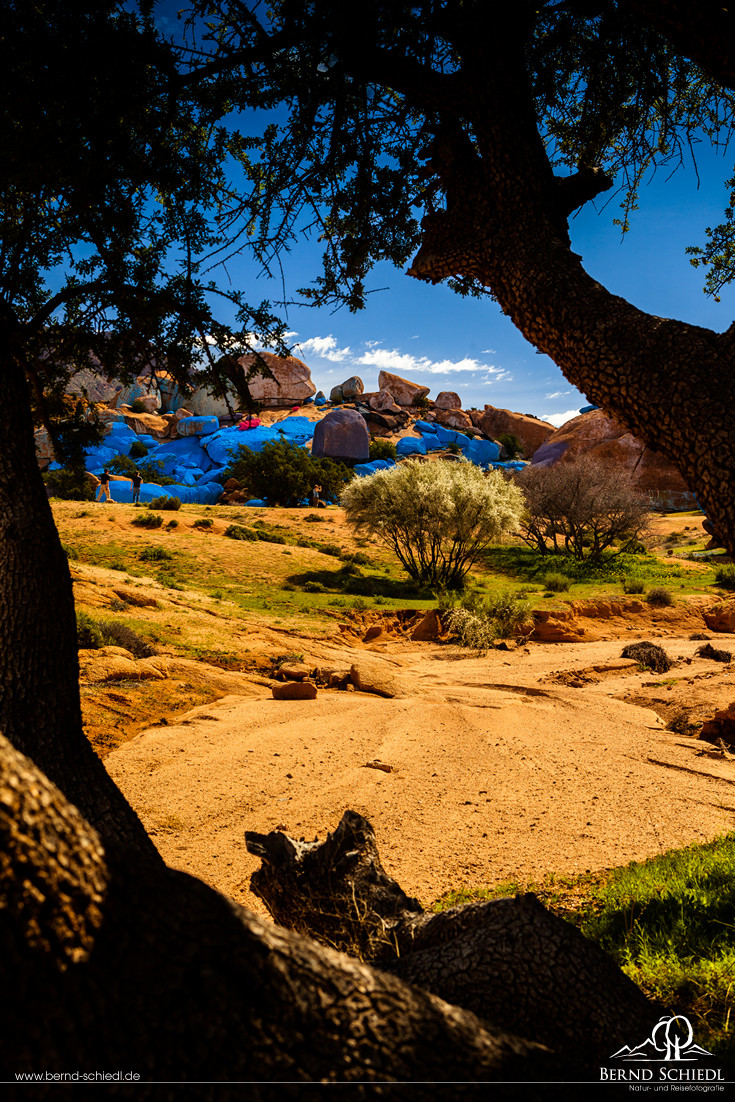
x=458, y=137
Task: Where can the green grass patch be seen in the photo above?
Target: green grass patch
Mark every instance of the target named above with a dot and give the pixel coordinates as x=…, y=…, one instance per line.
x=668, y=922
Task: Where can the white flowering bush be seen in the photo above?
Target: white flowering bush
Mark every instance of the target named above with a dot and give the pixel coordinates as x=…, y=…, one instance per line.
x=436, y=517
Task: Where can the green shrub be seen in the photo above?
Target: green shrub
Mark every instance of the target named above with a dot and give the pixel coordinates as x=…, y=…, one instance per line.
x=147, y=520
x=357, y=557
x=203, y=522
x=170, y=504
x=314, y=587
x=93, y=634
x=725, y=576
x=314, y=518
x=70, y=484
x=659, y=597
x=511, y=444
x=239, y=532
x=138, y=450
x=556, y=583
x=172, y=524
x=382, y=449
x=477, y=624
x=631, y=584
x=154, y=554
x=138, y=406
x=329, y=549
x=283, y=473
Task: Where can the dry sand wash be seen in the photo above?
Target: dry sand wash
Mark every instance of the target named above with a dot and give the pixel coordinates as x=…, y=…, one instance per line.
x=516, y=765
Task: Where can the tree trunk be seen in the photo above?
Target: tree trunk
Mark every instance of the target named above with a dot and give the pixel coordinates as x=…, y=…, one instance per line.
x=39, y=671
x=116, y=965
x=670, y=383
x=510, y=961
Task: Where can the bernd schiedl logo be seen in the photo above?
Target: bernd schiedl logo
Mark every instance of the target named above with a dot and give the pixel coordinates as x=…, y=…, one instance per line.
x=671, y=1046
x=671, y=1039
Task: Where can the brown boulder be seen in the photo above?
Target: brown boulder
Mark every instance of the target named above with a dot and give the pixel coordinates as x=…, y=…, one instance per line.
x=429, y=627
x=453, y=419
x=293, y=671
x=147, y=424
x=384, y=402
x=291, y=382
x=721, y=726
x=294, y=690
x=448, y=399
x=405, y=392
x=607, y=440
x=721, y=617
x=370, y=676
x=531, y=432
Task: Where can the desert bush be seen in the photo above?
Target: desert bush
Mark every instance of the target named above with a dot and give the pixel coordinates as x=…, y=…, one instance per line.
x=170, y=504
x=512, y=445
x=152, y=471
x=154, y=554
x=203, y=522
x=717, y=655
x=70, y=484
x=632, y=584
x=477, y=623
x=138, y=406
x=172, y=524
x=314, y=518
x=382, y=449
x=332, y=549
x=575, y=506
x=725, y=576
x=314, y=587
x=147, y=520
x=93, y=634
x=138, y=450
x=437, y=517
x=283, y=473
x=659, y=597
x=649, y=655
x=556, y=583
x=239, y=532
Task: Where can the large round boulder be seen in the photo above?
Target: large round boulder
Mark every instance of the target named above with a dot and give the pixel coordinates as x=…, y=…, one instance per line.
x=289, y=385
x=342, y=434
x=448, y=399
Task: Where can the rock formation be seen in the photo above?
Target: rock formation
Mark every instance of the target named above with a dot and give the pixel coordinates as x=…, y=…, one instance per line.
x=291, y=383
x=405, y=393
x=448, y=399
x=531, y=432
x=342, y=434
x=607, y=440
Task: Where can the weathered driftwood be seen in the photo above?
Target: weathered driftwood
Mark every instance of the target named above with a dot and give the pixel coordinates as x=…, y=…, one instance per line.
x=510, y=961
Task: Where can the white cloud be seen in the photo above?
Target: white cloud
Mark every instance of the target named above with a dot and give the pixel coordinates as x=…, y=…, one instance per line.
x=326, y=347
x=559, y=419
x=557, y=394
x=372, y=354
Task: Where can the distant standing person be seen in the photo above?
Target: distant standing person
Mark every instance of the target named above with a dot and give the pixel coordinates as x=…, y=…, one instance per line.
x=137, y=481
x=314, y=496
x=104, y=486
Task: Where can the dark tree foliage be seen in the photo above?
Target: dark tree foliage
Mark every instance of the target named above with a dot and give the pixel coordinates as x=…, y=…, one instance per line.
x=461, y=136
x=284, y=473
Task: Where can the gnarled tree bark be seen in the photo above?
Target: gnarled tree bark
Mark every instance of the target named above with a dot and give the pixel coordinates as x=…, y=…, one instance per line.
x=510, y=961
x=505, y=226
x=40, y=711
x=114, y=964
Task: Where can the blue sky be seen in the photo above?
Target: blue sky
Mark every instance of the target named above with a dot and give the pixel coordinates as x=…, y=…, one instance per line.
x=441, y=340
